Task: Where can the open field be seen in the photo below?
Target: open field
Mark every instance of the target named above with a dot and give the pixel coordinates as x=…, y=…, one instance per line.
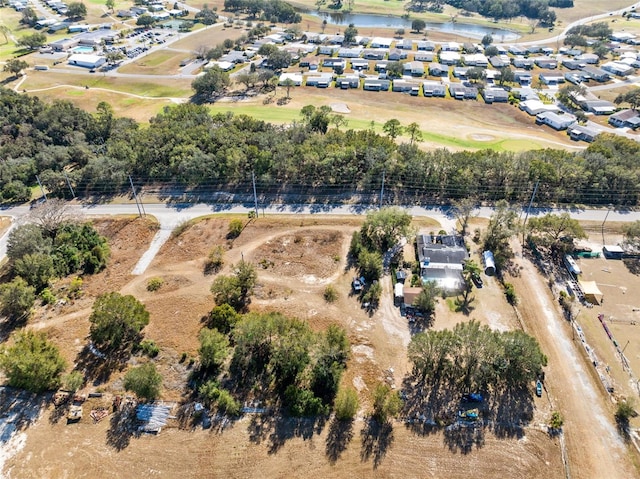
x=300, y=255
x=164, y=62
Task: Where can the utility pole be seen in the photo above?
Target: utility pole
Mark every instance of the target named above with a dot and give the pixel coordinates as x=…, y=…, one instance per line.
x=135, y=196
x=526, y=217
x=382, y=188
x=73, y=193
x=44, y=195
x=255, y=195
x=605, y=220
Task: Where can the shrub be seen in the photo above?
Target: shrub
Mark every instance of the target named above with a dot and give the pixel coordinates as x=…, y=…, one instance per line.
x=75, y=287
x=386, y=403
x=330, y=294
x=556, y=422
x=235, y=228
x=215, y=260
x=181, y=228
x=154, y=284
x=148, y=347
x=303, y=403
x=227, y=404
x=346, y=405
x=47, y=296
x=510, y=293
x=72, y=381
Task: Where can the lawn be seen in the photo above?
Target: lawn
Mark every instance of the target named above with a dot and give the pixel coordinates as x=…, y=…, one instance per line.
x=163, y=62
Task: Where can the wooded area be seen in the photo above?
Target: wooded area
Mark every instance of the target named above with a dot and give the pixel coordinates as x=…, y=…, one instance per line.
x=188, y=153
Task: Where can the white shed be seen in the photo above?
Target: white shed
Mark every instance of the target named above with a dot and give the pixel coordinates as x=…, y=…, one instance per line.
x=489, y=263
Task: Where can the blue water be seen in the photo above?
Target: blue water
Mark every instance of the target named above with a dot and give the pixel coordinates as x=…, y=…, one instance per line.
x=364, y=20
x=82, y=50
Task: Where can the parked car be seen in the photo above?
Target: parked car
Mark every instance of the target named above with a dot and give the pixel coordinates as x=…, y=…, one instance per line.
x=472, y=397
x=539, y=388
x=477, y=280
x=357, y=285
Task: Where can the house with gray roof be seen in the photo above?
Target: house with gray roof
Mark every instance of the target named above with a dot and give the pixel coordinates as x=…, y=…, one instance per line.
x=582, y=133
x=495, y=95
x=438, y=70
x=433, y=88
x=596, y=74
x=463, y=91
x=441, y=259
x=625, y=119
x=555, y=120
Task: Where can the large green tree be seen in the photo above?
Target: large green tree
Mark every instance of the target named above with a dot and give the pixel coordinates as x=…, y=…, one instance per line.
x=37, y=269
x=383, y=228
x=27, y=239
x=214, y=82
x=116, y=321
x=32, y=362
x=550, y=229
x=76, y=10
x=502, y=226
x=15, y=66
x=632, y=97
x=33, y=41
x=631, y=233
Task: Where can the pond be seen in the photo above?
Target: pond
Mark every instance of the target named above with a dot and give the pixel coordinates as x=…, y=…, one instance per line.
x=364, y=20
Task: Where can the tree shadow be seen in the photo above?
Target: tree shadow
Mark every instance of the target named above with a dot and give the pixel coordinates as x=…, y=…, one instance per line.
x=277, y=430
x=122, y=427
x=376, y=440
x=633, y=265
x=463, y=303
x=18, y=410
x=96, y=367
x=339, y=436
x=463, y=437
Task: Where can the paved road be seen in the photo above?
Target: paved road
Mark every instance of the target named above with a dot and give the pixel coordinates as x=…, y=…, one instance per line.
x=170, y=216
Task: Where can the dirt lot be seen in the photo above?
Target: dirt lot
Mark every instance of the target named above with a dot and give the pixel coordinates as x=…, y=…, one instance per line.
x=297, y=257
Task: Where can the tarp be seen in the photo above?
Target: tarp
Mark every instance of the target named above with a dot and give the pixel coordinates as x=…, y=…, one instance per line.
x=591, y=291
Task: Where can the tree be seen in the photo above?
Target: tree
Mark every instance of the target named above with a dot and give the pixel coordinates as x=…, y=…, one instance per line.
x=463, y=210
x=29, y=17
x=476, y=74
x=624, y=412
x=383, y=228
x=372, y=295
x=110, y=4
x=551, y=229
x=37, y=269
x=279, y=59
x=76, y=10
x=575, y=41
x=114, y=57
x=631, y=232
x=387, y=403
x=418, y=25
x=27, y=239
x=33, y=41
x=32, y=363
x=214, y=348
x=346, y=404
x=235, y=228
x=632, y=97
x=246, y=276
x=15, y=66
x=288, y=83
x=116, y=321
x=568, y=93
x=248, y=79
x=206, y=16
x=51, y=215
x=415, y=134
x=506, y=75
x=350, y=34
x=145, y=381
x=223, y=318
x=426, y=301
x=145, y=20
x=395, y=69
x=235, y=290
x=502, y=225
x=15, y=192
x=431, y=355
x=392, y=128
x=16, y=299
x=487, y=40
x=213, y=82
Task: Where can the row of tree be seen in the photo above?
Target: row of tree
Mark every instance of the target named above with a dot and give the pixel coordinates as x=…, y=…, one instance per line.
x=187, y=145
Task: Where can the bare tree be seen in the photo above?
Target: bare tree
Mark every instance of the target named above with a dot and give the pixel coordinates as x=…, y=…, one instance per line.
x=463, y=210
x=51, y=214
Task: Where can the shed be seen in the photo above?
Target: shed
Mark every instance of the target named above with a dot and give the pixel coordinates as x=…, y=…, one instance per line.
x=489, y=263
x=591, y=291
x=410, y=294
x=612, y=251
x=87, y=61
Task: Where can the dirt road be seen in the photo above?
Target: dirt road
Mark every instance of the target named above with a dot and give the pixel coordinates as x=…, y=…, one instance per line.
x=594, y=447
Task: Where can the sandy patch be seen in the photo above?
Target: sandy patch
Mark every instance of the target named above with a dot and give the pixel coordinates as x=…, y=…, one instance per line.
x=480, y=137
x=340, y=108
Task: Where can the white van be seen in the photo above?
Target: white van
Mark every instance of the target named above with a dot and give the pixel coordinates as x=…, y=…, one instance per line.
x=41, y=67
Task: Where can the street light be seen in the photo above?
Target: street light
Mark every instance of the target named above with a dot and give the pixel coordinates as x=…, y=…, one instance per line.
x=610, y=207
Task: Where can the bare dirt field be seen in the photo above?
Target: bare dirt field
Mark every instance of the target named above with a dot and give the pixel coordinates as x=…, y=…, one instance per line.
x=296, y=257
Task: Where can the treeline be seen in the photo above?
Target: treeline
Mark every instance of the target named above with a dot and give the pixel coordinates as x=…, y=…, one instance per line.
x=188, y=151
x=275, y=11
x=500, y=9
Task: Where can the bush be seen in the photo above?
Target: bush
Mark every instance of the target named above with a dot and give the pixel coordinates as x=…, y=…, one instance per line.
x=330, y=294
x=386, y=403
x=556, y=422
x=16, y=299
x=144, y=381
x=47, y=296
x=227, y=404
x=303, y=403
x=215, y=260
x=181, y=228
x=154, y=284
x=72, y=381
x=149, y=347
x=346, y=405
x=75, y=287
x=235, y=228
x=510, y=293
